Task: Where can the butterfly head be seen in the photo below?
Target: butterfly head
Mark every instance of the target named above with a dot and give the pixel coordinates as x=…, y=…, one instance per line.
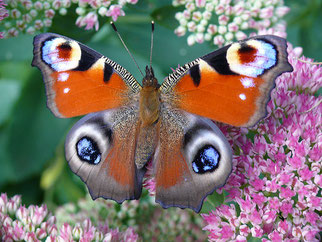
x=149, y=80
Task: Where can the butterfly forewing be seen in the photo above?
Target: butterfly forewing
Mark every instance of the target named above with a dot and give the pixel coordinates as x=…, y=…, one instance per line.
x=79, y=80
x=232, y=84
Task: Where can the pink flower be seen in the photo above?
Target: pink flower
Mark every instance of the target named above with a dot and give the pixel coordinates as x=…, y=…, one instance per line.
x=38, y=214
x=296, y=162
x=257, y=232
x=219, y=40
x=115, y=11
x=311, y=217
x=316, y=152
x=275, y=236
x=306, y=174
x=285, y=178
x=130, y=235
x=318, y=180
x=257, y=183
x=132, y=1
x=244, y=230
x=255, y=218
x=310, y=235
x=89, y=21
x=274, y=203
x=315, y=202
x=226, y=232
x=233, y=193
x=272, y=186
x=286, y=208
x=259, y=199
x=149, y=182
x=246, y=205
x=3, y=11
x=287, y=192
x=266, y=12
x=283, y=227
x=30, y=236
x=66, y=232
x=200, y=3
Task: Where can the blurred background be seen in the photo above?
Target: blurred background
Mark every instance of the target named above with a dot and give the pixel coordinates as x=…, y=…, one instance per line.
x=32, y=159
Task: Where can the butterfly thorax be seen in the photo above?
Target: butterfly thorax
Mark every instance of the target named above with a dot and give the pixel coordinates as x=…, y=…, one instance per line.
x=149, y=99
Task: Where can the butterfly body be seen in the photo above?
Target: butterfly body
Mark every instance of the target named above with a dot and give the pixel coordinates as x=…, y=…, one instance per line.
x=149, y=111
x=128, y=124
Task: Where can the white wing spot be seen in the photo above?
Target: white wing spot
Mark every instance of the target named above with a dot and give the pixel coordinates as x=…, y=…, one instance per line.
x=242, y=96
x=247, y=82
x=66, y=90
x=63, y=76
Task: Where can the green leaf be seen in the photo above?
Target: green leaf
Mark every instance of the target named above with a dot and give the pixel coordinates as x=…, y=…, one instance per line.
x=15, y=70
x=253, y=239
x=318, y=92
x=214, y=200
x=6, y=171
x=165, y=16
x=50, y=176
x=34, y=132
x=28, y=188
x=16, y=49
x=9, y=93
x=69, y=187
x=303, y=26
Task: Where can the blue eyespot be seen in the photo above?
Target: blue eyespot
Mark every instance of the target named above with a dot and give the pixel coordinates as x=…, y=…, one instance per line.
x=206, y=160
x=87, y=150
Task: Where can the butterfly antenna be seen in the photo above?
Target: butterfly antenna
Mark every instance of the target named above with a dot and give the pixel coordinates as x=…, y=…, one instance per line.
x=118, y=34
x=152, y=25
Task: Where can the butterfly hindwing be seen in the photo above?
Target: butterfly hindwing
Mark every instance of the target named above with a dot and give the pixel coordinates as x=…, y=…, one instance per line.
x=232, y=84
x=100, y=149
x=79, y=80
x=192, y=160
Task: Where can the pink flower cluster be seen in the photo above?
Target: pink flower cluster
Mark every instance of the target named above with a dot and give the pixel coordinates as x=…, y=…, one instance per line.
x=90, y=10
x=222, y=21
x=35, y=223
x=27, y=16
x=275, y=186
x=3, y=14
x=166, y=224
x=31, y=16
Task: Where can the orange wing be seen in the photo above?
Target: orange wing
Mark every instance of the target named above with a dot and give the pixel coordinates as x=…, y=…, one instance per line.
x=231, y=85
x=79, y=80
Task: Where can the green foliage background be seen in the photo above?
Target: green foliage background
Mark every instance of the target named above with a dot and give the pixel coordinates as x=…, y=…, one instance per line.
x=32, y=159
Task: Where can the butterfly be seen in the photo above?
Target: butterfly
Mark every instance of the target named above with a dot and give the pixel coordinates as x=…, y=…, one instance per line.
x=128, y=124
